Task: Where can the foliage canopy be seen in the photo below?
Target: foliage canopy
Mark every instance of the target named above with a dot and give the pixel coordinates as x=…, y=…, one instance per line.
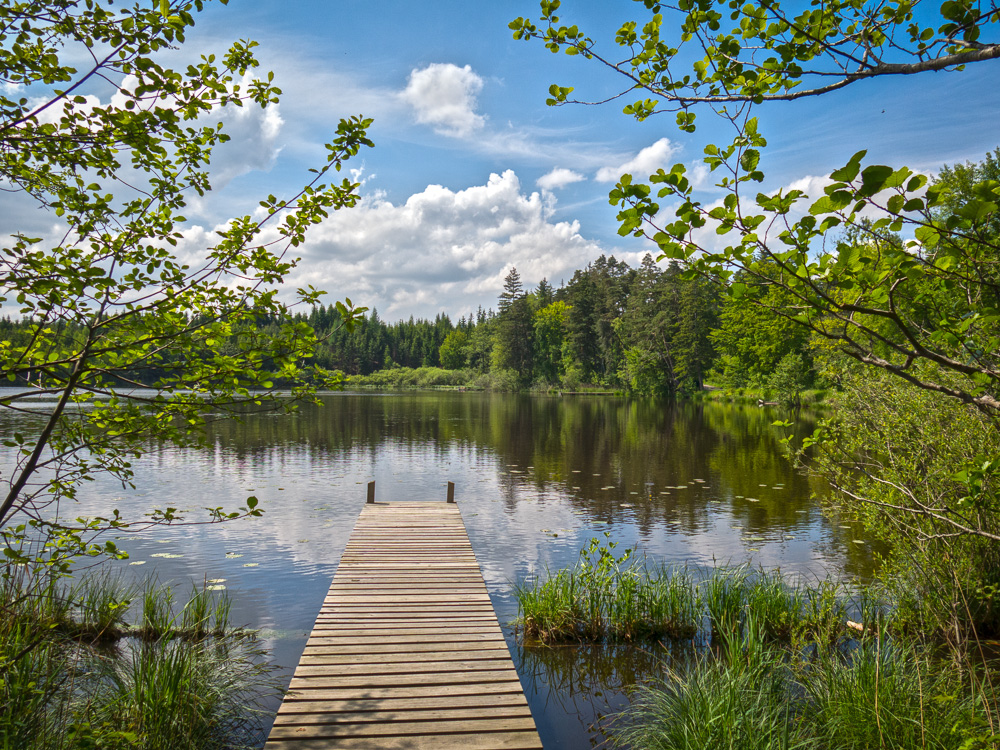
x=110, y=150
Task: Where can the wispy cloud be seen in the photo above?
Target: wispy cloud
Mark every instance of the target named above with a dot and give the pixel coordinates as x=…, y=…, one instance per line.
x=647, y=161
x=558, y=178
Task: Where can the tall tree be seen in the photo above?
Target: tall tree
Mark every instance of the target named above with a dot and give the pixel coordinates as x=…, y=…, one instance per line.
x=514, y=347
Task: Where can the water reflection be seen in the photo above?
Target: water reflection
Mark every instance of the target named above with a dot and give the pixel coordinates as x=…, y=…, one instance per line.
x=536, y=478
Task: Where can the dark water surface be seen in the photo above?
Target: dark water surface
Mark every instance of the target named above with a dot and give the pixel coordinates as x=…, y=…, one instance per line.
x=536, y=477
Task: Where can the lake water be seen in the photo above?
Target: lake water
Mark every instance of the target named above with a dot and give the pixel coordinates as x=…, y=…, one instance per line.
x=536, y=478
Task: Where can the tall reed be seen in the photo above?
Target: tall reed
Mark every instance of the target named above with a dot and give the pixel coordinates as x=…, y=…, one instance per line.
x=757, y=693
x=179, y=678
x=608, y=596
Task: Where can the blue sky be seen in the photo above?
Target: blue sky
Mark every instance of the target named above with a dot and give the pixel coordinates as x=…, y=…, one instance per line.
x=472, y=173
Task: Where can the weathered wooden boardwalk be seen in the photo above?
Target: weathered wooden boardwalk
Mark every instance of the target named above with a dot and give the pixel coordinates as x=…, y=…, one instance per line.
x=406, y=652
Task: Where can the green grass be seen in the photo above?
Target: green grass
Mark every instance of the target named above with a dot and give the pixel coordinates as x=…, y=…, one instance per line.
x=410, y=377
x=605, y=597
x=756, y=694
x=608, y=597
x=772, y=664
x=103, y=664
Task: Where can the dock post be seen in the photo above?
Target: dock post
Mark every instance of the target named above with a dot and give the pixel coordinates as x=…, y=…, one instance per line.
x=451, y=492
x=371, y=491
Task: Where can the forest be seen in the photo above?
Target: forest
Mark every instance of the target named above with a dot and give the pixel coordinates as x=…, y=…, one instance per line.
x=648, y=330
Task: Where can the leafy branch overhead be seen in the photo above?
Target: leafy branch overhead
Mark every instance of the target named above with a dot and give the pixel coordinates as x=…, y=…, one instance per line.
x=890, y=273
x=113, y=302
x=719, y=51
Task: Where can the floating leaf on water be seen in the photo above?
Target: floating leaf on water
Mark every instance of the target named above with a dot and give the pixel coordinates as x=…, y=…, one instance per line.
x=250, y=565
x=138, y=562
x=859, y=541
x=697, y=480
x=303, y=541
x=633, y=493
x=752, y=500
x=753, y=549
x=165, y=554
x=233, y=555
x=576, y=471
x=845, y=527
x=216, y=580
x=626, y=505
x=215, y=587
x=545, y=531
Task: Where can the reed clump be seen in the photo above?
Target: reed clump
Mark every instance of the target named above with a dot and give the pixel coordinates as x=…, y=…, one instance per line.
x=609, y=596
x=107, y=664
x=757, y=694
x=615, y=597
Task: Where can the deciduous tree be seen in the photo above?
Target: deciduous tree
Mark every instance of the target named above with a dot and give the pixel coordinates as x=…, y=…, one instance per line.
x=111, y=299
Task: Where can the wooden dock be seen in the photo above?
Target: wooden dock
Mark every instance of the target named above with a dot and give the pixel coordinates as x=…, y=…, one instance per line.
x=407, y=652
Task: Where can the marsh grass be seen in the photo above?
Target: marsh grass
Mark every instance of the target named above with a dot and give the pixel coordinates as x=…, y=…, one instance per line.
x=755, y=693
x=608, y=596
x=617, y=597
x=77, y=672
x=771, y=663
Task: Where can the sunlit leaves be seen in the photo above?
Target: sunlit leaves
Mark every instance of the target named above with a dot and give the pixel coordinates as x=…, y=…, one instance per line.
x=112, y=306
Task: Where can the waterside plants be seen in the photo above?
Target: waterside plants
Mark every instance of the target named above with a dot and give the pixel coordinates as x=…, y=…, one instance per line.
x=106, y=664
x=749, y=659
x=755, y=694
x=617, y=597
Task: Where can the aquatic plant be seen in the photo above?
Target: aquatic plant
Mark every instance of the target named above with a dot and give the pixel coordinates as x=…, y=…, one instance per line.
x=758, y=694
x=739, y=700
x=74, y=673
x=608, y=596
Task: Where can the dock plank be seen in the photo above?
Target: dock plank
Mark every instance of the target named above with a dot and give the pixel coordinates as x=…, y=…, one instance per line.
x=406, y=651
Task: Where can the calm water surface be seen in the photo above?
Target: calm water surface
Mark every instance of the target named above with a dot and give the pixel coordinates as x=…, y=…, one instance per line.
x=536, y=478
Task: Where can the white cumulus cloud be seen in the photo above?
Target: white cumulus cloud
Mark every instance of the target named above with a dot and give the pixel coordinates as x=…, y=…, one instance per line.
x=558, y=178
x=443, y=96
x=647, y=161
x=441, y=250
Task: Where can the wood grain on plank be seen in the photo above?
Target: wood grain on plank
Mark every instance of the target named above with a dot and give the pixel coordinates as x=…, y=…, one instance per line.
x=406, y=651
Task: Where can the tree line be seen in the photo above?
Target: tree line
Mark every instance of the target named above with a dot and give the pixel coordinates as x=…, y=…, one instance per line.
x=648, y=330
